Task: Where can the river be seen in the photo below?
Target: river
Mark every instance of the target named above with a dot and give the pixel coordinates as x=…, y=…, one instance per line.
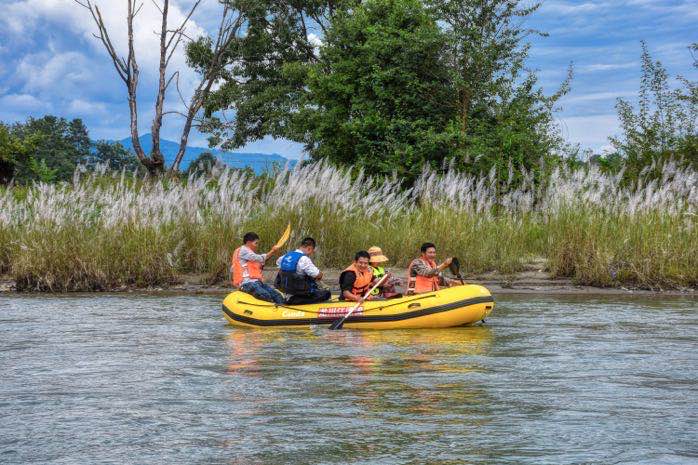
x=163, y=380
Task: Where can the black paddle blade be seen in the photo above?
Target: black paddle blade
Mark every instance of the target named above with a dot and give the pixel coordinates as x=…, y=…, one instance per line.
x=337, y=324
x=454, y=267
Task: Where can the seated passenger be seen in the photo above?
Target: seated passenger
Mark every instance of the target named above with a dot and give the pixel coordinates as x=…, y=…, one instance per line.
x=357, y=279
x=387, y=289
x=298, y=275
x=423, y=274
x=246, y=267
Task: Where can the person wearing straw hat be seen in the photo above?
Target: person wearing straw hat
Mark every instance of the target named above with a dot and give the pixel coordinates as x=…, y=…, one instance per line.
x=376, y=260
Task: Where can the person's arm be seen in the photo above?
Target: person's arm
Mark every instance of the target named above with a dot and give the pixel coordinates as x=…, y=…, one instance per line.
x=422, y=269
x=272, y=252
x=249, y=256
x=445, y=264
x=306, y=265
x=346, y=284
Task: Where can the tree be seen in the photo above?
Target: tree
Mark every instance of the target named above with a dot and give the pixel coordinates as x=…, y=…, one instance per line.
x=266, y=85
x=169, y=40
x=376, y=95
x=483, y=108
x=662, y=128
x=203, y=164
x=14, y=153
x=112, y=154
x=52, y=142
x=503, y=116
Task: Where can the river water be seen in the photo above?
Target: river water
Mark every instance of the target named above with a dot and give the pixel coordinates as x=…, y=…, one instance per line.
x=163, y=380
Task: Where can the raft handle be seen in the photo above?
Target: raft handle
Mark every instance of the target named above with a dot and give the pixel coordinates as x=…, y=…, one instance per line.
x=414, y=305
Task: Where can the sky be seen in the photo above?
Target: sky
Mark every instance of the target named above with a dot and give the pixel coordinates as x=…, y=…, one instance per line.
x=50, y=63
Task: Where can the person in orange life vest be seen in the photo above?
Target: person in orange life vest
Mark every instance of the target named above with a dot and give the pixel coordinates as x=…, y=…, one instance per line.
x=357, y=279
x=247, y=267
x=423, y=274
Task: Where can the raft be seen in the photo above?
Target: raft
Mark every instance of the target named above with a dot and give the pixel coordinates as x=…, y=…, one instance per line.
x=445, y=308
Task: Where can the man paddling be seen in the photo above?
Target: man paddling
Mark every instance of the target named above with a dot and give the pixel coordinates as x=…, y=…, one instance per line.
x=423, y=274
x=246, y=267
x=299, y=276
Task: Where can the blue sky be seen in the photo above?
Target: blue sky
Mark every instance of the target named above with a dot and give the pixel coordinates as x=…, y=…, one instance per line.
x=50, y=63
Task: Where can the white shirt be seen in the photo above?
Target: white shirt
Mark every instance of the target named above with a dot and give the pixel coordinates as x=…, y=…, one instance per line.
x=305, y=265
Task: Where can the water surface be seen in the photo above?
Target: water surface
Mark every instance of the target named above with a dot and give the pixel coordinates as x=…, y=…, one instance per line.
x=143, y=379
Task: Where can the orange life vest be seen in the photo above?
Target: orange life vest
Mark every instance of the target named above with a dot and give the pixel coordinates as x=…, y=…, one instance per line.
x=417, y=284
x=363, y=280
x=251, y=270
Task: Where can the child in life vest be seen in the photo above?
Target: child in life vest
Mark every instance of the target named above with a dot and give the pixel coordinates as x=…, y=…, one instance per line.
x=387, y=289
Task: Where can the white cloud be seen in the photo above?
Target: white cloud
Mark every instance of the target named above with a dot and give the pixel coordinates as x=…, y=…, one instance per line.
x=595, y=67
x=571, y=9
x=598, y=96
x=85, y=107
x=21, y=102
x=44, y=72
x=314, y=39
x=26, y=15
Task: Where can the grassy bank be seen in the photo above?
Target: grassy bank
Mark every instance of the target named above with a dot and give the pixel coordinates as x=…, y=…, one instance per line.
x=103, y=231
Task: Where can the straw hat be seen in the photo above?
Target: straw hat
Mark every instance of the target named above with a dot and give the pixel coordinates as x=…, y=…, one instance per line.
x=377, y=255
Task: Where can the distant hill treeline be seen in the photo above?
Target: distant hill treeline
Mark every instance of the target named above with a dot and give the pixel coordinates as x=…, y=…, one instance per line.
x=50, y=148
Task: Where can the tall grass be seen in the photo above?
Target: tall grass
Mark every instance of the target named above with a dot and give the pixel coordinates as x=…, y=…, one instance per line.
x=106, y=230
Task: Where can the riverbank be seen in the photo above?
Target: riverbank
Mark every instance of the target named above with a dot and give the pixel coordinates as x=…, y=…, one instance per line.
x=530, y=281
x=106, y=232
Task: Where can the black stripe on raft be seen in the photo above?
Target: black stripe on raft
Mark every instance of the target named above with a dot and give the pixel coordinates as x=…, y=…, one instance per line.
x=359, y=318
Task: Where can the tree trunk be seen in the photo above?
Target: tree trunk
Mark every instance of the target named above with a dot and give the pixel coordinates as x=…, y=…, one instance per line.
x=464, y=111
x=156, y=154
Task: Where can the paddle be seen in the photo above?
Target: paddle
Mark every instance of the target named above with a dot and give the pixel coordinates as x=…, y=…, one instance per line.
x=337, y=324
x=455, y=269
x=284, y=237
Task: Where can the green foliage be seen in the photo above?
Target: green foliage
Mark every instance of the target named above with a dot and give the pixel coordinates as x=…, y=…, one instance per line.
x=376, y=95
x=49, y=149
x=40, y=171
x=203, y=164
x=663, y=127
x=503, y=116
x=14, y=153
x=59, y=143
x=395, y=85
x=112, y=154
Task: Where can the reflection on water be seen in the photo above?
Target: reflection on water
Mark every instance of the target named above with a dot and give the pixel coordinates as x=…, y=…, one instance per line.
x=164, y=380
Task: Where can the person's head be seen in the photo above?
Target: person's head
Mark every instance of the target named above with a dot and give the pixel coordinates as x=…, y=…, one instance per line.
x=308, y=246
x=251, y=240
x=361, y=260
x=429, y=250
x=377, y=256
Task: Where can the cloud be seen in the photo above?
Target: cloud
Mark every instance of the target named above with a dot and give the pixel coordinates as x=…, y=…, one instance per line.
x=611, y=95
x=83, y=107
x=43, y=72
x=24, y=17
x=21, y=102
x=596, y=67
x=565, y=8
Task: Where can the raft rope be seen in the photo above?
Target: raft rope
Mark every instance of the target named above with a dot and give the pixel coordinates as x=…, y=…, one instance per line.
x=421, y=297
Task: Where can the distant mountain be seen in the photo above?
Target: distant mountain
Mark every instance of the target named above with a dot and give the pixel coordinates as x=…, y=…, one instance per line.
x=259, y=162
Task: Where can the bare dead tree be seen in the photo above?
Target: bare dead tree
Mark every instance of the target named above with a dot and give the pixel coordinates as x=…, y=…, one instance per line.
x=169, y=41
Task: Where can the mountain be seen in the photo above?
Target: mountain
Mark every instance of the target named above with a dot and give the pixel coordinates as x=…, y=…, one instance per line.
x=259, y=162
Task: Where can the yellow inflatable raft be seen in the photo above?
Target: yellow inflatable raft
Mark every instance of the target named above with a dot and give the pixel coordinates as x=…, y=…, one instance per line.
x=445, y=308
